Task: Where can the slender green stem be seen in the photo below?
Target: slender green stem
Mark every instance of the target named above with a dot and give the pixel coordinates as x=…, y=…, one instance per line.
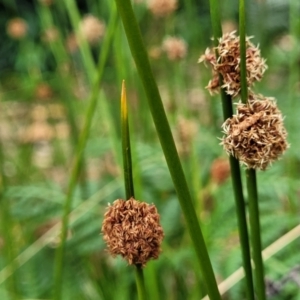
x=235, y=167
x=6, y=229
x=58, y=267
x=255, y=234
x=127, y=165
x=140, y=283
x=86, y=54
x=126, y=150
x=251, y=173
x=242, y=29
x=165, y=136
x=61, y=57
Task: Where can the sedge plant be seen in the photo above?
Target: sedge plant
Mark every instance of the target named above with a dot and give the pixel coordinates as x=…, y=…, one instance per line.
x=255, y=136
x=234, y=166
x=131, y=228
x=139, y=54
x=251, y=173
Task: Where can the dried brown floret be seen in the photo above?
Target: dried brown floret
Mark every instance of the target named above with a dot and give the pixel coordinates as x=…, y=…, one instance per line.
x=228, y=64
x=92, y=29
x=219, y=170
x=174, y=47
x=256, y=134
x=131, y=228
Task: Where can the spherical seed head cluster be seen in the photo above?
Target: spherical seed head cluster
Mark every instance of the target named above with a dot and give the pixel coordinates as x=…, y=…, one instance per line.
x=92, y=29
x=162, y=8
x=219, y=170
x=174, y=47
x=131, y=229
x=256, y=134
x=17, y=28
x=228, y=64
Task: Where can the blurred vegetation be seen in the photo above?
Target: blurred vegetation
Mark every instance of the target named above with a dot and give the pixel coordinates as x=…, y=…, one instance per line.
x=46, y=75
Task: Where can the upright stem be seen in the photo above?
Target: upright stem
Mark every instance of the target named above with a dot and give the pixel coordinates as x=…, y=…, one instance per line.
x=255, y=234
x=59, y=257
x=140, y=283
x=251, y=173
x=128, y=179
x=242, y=29
x=234, y=166
x=126, y=149
x=167, y=142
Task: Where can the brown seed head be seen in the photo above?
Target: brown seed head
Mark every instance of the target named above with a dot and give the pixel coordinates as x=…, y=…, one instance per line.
x=132, y=229
x=175, y=48
x=17, y=28
x=162, y=8
x=186, y=131
x=228, y=64
x=220, y=170
x=256, y=134
x=92, y=29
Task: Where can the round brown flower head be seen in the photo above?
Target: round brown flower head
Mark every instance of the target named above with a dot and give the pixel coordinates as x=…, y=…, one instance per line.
x=228, y=64
x=175, y=48
x=162, y=8
x=256, y=134
x=92, y=29
x=131, y=228
x=186, y=131
x=17, y=28
x=219, y=170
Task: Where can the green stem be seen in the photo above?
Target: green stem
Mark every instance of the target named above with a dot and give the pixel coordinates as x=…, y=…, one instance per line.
x=86, y=54
x=61, y=58
x=140, y=283
x=234, y=165
x=126, y=149
x=128, y=178
x=6, y=230
x=58, y=267
x=165, y=136
x=255, y=233
x=251, y=173
x=242, y=29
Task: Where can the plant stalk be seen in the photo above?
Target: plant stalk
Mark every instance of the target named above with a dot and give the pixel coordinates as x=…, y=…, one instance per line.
x=251, y=173
x=126, y=149
x=234, y=167
x=255, y=234
x=165, y=136
x=128, y=179
x=75, y=171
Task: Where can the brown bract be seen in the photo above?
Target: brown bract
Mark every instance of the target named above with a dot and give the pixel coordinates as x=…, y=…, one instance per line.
x=228, y=64
x=131, y=229
x=255, y=134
